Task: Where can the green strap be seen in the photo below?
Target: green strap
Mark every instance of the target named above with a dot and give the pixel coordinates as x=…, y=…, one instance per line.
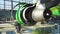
x=55, y=11
x=18, y=18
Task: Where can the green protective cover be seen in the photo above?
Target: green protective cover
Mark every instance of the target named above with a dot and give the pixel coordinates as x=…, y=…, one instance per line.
x=55, y=10
x=18, y=18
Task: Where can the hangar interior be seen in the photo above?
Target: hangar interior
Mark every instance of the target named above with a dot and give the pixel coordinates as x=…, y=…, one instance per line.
x=29, y=17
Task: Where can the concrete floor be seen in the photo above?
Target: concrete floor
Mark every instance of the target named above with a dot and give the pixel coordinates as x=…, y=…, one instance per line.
x=10, y=29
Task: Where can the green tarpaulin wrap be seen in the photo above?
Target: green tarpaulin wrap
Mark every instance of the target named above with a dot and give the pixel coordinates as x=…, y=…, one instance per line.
x=55, y=10
x=18, y=18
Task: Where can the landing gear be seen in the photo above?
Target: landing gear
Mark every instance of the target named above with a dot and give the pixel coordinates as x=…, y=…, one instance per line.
x=18, y=28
